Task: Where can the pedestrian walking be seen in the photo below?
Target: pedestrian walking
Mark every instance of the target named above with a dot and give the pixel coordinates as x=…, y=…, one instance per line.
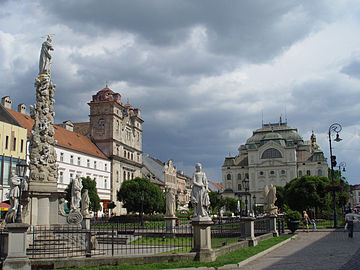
x=306, y=221
x=313, y=221
x=349, y=219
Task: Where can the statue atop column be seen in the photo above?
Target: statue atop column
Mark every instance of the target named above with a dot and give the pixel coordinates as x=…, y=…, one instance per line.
x=170, y=203
x=43, y=167
x=45, y=57
x=199, y=194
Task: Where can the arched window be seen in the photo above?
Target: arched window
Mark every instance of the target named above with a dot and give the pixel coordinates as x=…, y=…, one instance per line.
x=239, y=186
x=239, y=176
x=271, y=153
x=228, y=177
x=124, y=175
x=319, y=172
x=300, y=173
x=308, y=172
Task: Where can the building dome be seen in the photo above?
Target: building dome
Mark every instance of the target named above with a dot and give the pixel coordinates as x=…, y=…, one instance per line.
x=272, y=136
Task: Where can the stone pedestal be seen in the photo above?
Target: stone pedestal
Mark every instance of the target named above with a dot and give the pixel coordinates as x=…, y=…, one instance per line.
x=44, y=208
x=17, y=245
x=85, y=223
x=250, y=230
x=273, y=227
x=170, y=223
x=202, y=239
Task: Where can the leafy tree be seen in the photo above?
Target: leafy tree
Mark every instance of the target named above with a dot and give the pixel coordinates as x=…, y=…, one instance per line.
x=90, y=185
x=307, y=192
x=231, y=204
x=216, y=202
x=140, y=193
x=280, y=197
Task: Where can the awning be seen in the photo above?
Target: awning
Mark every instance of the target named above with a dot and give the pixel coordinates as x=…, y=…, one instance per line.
x=4, y=206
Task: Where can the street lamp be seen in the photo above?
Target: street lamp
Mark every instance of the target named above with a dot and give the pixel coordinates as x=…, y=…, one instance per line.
x=334, y=128
x=343, y=166
x=21, y=168
x=246, y=187
x=254, y=199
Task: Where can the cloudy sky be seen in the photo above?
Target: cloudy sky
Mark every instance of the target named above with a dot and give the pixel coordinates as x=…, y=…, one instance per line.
x=204, y=73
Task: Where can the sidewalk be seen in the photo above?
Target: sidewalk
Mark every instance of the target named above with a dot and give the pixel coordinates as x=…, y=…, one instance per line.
x=326, y=249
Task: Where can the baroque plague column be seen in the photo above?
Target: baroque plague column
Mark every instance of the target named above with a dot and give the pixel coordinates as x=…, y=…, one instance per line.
x=43, y=208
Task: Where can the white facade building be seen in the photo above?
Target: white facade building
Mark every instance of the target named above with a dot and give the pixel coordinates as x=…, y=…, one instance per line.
x=275, y=154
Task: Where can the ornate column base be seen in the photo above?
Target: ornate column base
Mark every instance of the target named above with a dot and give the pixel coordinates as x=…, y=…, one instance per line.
x=17, y=258
x=202, y=239
x=273, y=227
x=170, y=223
x=250, y=230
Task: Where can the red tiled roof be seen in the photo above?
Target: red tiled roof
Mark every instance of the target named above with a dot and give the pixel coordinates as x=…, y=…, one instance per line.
x=219, y=186
x=65, y=138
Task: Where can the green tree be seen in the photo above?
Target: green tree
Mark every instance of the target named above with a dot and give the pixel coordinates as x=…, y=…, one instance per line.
x=231, y=204
x=307, y=192
x=140, y=194
x=90, y=185
x=280, y=197
x=216, y=202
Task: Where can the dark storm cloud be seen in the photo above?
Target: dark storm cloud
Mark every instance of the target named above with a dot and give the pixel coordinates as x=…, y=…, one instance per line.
x=253, y=30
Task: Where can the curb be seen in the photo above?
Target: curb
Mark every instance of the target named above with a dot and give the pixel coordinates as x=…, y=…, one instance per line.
x=252, y=258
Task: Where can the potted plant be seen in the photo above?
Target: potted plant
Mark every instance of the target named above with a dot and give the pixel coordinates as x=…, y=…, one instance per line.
x=293, y=218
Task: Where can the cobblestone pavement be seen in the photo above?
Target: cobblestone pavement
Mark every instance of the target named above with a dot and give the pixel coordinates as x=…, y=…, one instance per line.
x=326, y=249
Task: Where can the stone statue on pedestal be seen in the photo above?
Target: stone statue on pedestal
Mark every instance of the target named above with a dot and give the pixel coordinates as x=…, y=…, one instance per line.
x=270, y=199
x=199, y=193
x=76, y=194
x=170, y=203
x=45, y=57
x=85, y=202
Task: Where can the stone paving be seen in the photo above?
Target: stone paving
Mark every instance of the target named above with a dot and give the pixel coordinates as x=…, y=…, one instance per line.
x=326, y=249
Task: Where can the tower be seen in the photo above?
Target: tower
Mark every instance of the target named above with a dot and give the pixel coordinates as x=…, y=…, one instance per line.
x=117, y=130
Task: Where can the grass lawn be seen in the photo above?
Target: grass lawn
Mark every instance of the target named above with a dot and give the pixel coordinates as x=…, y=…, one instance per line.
x=230, y=258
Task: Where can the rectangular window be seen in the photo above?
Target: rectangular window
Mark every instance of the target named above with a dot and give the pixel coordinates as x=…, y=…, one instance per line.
x=61, y=156
x=79, y=161
x=71, y=177
x=71, y=159
x=6, y=171
x=6, y=142
x=105, y=167
x=105, y=183
x=61, y=177
x=21, y=146
x=94, y=164
x=14, y=144
x=88, y=163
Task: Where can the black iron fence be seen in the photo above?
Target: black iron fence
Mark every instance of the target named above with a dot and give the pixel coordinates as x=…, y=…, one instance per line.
x=125, y=239
x=262, y=225
x=109, y=239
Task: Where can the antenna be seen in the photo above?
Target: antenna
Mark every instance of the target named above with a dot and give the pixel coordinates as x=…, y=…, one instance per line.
x=285, y=115
x=106, y=84
x=262, y=118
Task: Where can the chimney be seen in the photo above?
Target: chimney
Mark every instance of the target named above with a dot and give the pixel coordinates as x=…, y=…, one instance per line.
x=68, y=125
x=6, y=102
x=22, y=108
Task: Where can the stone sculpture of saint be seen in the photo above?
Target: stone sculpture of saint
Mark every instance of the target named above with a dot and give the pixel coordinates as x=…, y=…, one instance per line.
x=85, y=202
x=14, y=196
x=170, y=204
x=45, y=57
x=199, y=193
x=76, y=194
x=270, y=199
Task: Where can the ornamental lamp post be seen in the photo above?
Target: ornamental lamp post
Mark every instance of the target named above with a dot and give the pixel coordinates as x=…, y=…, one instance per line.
x=246, y=187
x=254, y=200
x=334, y=128
x=21, y=169
x=343, y=166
